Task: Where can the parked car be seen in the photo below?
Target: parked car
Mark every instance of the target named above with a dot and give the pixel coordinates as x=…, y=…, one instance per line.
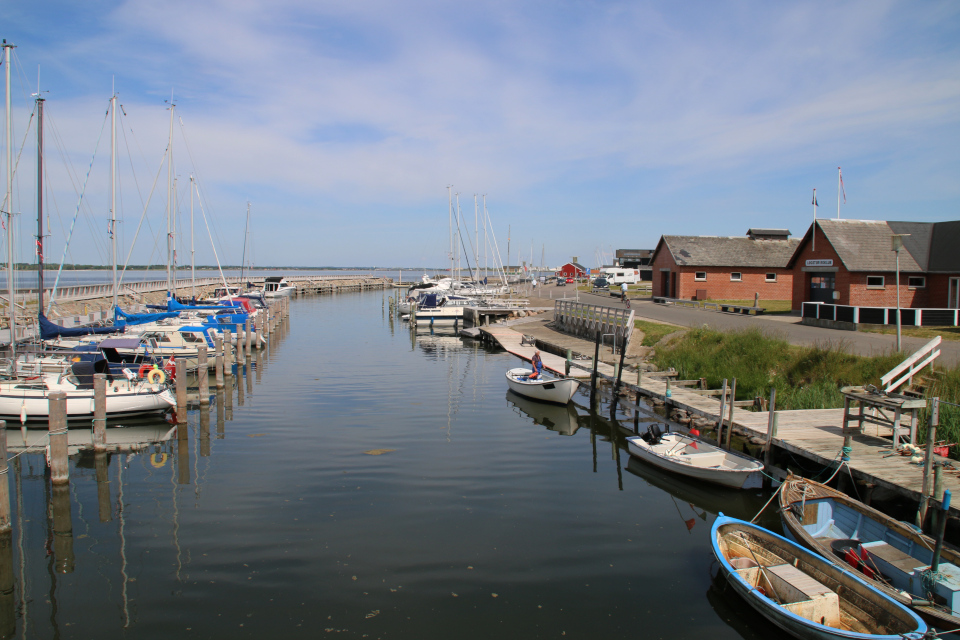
x=570, y=281
x=561, y=281
x=601, y=284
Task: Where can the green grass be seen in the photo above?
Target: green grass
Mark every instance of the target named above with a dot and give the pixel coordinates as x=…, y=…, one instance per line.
x=947, y=333
x=653, y=332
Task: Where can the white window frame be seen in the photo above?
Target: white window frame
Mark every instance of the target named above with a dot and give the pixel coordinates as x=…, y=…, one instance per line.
x=922, y=285
x=767, y=278
x=697, y=278
x=883, y=282
x=738, y=278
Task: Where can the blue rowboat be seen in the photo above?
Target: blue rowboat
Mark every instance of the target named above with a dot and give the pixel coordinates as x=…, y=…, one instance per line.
x=801, y=592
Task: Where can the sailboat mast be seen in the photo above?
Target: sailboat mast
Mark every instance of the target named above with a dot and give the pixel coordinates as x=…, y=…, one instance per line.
x=9, y=135
x=170, y=201
x=113, y=190
x=246, y=234
x=39, y=200
x=193, y=264
x=450, y=224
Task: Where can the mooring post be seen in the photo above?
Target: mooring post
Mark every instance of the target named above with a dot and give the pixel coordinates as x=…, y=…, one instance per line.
x=944, y=512
x=102, y=473
x=768, y=445
x=228, y=354
x=733, y=398
x=99, y=412
x=218, y=364
x=5, y=525
x=57, y=426
x=203, y=375
x=566, y=363
x=247, y=336
x=934, y=421
x=593, y=376
x=616, y=386
x=181, y=373
x=723, y=406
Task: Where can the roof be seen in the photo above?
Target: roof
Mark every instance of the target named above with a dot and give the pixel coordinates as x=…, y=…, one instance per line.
x=865, y=245
x=575, y=265
x=724, y=251
x=634, y=253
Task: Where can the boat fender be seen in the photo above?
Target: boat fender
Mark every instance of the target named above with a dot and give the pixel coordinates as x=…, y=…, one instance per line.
x=23, y=412
x=156, y=376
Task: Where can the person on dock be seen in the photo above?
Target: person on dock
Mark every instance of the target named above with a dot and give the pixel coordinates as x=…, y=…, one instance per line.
x=537, y=365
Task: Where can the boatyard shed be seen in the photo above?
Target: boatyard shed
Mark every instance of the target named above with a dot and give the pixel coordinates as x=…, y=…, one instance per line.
x=852, y=263
x=725, y=268
x=573, y=270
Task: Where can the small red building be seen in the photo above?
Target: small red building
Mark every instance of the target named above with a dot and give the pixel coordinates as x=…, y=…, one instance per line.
x=572, y=270
x=725, y=268
x=852, y=263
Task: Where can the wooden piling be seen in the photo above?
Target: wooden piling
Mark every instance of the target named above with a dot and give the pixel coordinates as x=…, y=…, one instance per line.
x=247, y=336
x=218, y=342
x=102, y=472
x=768, y=445
x=99, y=412
x=934, y=421
x=181, y=373
x=723, y=400
x=227, y=352
x=616, y=386
x=203, y=375
x=733, y=399
x=593, y=376
x=57, y=426
x=259, y=324
x=5, y=525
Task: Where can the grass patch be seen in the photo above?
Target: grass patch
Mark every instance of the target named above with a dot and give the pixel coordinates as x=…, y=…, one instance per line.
x=653, y=332
x=947, y=333
x=768, y=306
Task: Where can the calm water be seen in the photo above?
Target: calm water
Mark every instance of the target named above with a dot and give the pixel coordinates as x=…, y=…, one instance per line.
x=483, y=520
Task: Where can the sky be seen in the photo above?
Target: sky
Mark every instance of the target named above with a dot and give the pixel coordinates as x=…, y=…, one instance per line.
x=587, y=126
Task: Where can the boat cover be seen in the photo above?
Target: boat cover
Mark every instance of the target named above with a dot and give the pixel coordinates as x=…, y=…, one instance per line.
x=141, y=318
x=50, y=330
x=173, y=305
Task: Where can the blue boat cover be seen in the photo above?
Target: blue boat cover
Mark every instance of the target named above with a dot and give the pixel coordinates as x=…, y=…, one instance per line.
x=49, y=330
x=121, y=317
x=173, y=305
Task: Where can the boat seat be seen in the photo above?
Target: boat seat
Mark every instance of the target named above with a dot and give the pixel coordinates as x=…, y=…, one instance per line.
x=706, y=459
x=801, y=594
x=819, y=532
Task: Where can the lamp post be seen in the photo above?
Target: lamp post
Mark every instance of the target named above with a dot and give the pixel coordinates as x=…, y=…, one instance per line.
x=896, y=245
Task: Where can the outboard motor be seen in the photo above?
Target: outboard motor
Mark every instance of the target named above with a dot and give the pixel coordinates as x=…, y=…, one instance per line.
x=653, y=435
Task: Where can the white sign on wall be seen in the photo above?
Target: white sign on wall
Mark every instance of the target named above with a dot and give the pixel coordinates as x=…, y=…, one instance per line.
x=820, y=263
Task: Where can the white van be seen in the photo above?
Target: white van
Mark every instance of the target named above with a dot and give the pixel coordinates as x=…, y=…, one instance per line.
x=619, y=275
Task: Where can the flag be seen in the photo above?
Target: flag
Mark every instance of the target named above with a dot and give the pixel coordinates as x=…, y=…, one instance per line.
x=842, y=190
x=814, y=203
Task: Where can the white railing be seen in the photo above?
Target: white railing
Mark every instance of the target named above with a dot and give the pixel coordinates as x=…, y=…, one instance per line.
x=588, y=320
x=911, y=366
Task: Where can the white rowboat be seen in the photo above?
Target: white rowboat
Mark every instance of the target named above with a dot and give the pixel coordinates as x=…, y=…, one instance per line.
x=694, y=458
x=556, y=390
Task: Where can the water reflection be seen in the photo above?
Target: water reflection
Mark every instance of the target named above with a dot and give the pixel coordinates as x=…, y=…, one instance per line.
x=563, y=419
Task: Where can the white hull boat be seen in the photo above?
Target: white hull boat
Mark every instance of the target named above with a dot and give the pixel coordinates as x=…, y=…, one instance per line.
x=691, y=457
x=557, y=390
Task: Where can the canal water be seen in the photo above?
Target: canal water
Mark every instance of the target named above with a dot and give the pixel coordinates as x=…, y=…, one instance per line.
x=369, y=482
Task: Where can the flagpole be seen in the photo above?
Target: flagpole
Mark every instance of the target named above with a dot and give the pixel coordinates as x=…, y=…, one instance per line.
x=839, y=181
x=813, y=231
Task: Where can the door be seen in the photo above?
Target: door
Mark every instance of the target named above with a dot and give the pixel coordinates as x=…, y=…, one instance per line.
x=822, y=286
x=954, y=294
x=665, y=289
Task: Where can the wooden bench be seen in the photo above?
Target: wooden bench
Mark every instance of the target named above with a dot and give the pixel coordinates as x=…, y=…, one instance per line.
x=687, y=303
x=737, y=308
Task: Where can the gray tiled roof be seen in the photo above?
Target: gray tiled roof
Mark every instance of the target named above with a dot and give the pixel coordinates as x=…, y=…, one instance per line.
x=719, y=251
x=865, y=245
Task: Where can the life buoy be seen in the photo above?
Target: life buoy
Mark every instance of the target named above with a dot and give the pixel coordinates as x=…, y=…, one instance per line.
x=156, y=376
x=144, y=369
x=158, y=460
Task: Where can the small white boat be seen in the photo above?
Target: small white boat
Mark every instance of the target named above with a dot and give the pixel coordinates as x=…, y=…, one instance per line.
x=558, y=390
x=277, y=287
x=691, y=457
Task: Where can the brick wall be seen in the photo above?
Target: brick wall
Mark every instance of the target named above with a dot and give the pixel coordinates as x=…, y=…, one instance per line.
x=719, y=286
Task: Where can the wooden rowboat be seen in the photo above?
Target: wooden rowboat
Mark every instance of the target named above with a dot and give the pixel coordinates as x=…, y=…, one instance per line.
x=801, y=592
x=888, y=553
x=556, y=390
x=694, y=458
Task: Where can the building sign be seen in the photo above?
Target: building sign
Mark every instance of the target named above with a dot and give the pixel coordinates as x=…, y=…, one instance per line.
x=819, y=263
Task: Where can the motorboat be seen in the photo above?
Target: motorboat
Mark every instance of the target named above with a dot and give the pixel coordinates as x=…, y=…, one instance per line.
x=556, y=390
x=890, y=554
x=803, y=594
x=277, y=287
x=692, y=457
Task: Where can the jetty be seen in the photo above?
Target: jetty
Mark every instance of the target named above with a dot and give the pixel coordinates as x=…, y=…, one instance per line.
x=814, y=435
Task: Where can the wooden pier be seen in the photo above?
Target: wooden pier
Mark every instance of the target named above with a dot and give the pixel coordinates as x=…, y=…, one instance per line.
x=816, y=435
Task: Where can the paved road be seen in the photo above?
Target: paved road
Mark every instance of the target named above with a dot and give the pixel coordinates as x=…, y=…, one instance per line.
x=787, y=326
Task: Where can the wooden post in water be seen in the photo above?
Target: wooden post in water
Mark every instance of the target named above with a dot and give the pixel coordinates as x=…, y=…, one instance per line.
x=227, y=353
x=934, y=421
x=593, y=376
x=5, y=525
x=218, y=342
x=768, y=445
x=616, y=387
x=57, y=425
x=203, y=375
x=102, y=472
x=247, y=336
x=259, y=323
x=733, y=398
x=181, y=373
x=99, y=412
x=64, y=558
x=723, y=406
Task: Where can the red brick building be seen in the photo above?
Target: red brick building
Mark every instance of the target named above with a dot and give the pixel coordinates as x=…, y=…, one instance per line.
x=851, y=262
x=725, y=268
x=573, y=270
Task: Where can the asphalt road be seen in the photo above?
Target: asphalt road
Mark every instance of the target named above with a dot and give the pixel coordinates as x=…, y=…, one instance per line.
x=787, y=326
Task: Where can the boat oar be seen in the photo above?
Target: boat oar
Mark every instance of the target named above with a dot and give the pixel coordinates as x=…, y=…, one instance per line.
x=759, y=566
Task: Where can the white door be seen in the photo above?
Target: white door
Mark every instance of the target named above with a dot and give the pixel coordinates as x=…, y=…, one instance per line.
x=953, y=298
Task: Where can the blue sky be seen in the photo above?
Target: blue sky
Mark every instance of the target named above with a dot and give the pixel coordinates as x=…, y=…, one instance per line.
x=589, y=126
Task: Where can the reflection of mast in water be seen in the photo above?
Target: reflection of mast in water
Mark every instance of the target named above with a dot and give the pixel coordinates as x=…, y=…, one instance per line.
x=123, y=544
x=20, y=554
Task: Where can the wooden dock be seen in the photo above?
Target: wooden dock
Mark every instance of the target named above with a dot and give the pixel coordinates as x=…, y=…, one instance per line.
x=815, y=434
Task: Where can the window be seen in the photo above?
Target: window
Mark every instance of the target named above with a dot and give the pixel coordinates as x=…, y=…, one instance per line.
x=916, y=282
x=874, y=282
x=770, y=277
x=700, y=276
x=736, y=276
